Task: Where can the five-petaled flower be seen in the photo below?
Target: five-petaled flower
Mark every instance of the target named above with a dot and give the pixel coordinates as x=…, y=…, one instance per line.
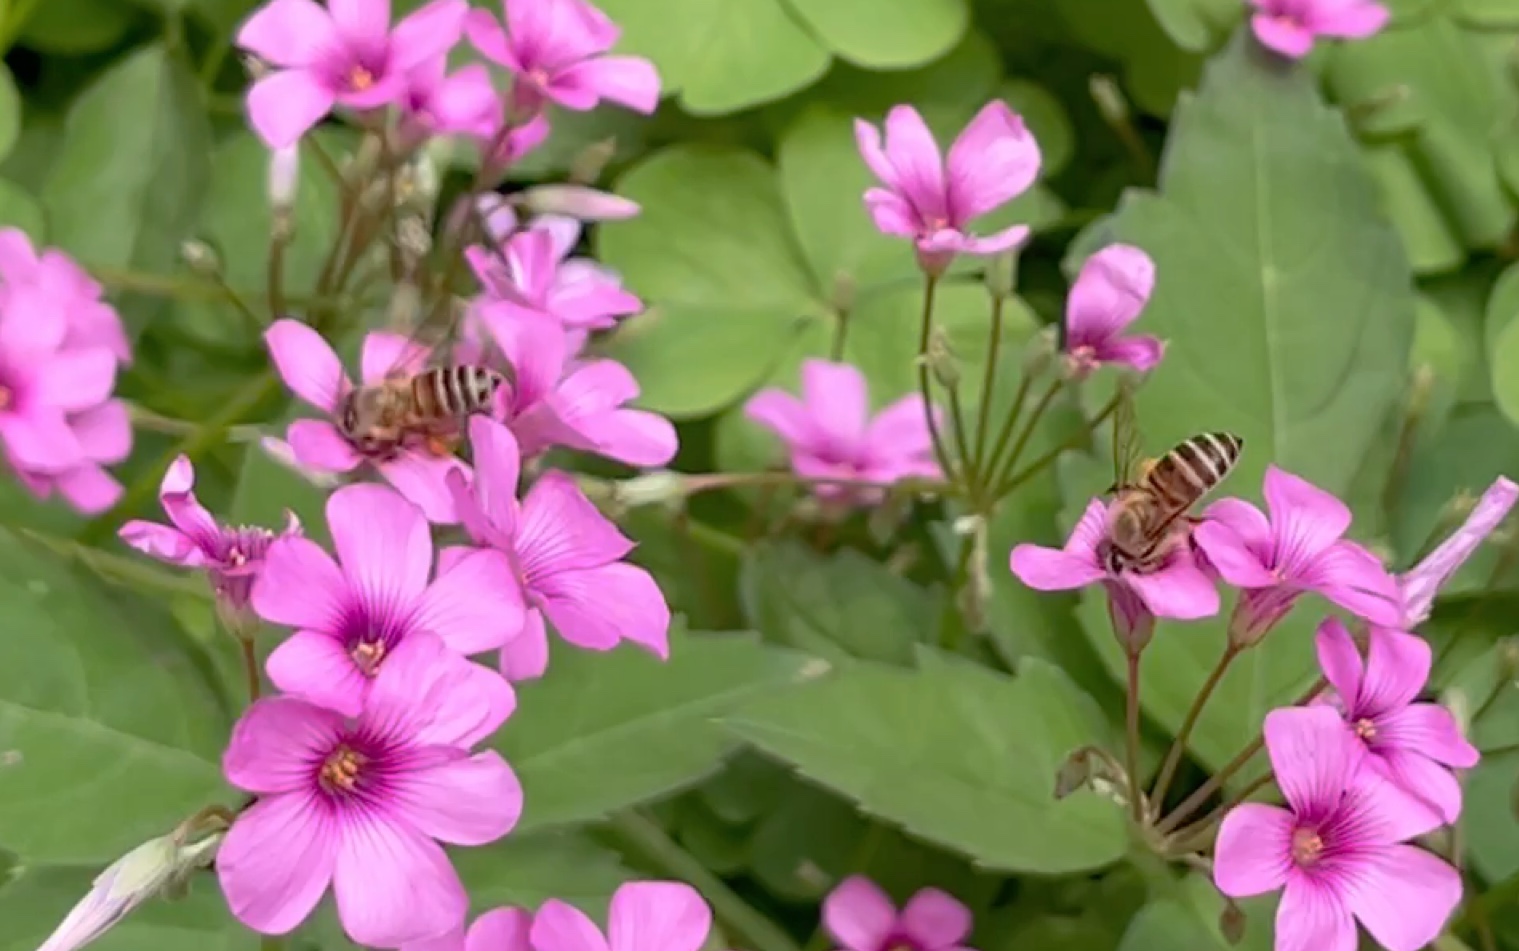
x=568, y=556
x=932, y=200
x=352, y=616
x=360, y=803
x=500, y=929
x=861, y=917
x=1289, y=27
x=642, y=916
x=831, y=435
x=1300, y=548
x=1413, y=744
x=1337, y=851
x=437, y=102
x=532, y=271
x=1419, y=585
x=1111, y=289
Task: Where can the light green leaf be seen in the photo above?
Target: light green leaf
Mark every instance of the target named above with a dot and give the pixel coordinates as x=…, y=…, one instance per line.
x=1285, y=234
x=930, y=750
x=604, y=731
x=34, y=903
x=10, y=112
x=20, y=210
x=885, y=34
x=1428, y=239
x=75, y=27
x=1502, y=323
x=126, y=187
x=1487, y=13
x=108, y=734
x=1187, y=919
x=528, y=869
x=958, y=84
x=1196, y=24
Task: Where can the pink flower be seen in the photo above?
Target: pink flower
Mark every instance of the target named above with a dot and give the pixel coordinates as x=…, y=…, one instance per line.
x=575, y=404
x=1420, y=584
x=861, y=917
x=232, y=556
x=831, y=435
x=508, y=139
x=644, y=916
x=1113, y=287
x=1412, y=744
x=75, y=295
x=555, y=50
x=1179, y=589
x=436, y=102
x=532, y=270
x=1336, y=851
x=104, y=434
x=501, y=929
x=1297, y=550
x=345, y=55
x=931, y=200
x=1289, y=27
x=310, y=367
x=352, y=616
x=568, y=556
x=361, y=804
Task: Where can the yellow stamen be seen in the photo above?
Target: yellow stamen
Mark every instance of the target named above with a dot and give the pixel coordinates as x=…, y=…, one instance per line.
x=1366, y=729
x=341, y=770
x=360, y=79
x=367, y=656
x=1307, y=846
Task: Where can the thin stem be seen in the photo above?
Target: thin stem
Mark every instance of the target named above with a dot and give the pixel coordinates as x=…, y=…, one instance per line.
x=1200, y=795
x=1017, y=479
x=1173, y=755
x=634, y=832
x=1131, y=733
x=988, y=385
x=930, y=284
x=1003, y=466
x=1192, y=832
x=840, y=332
x=275, y=276
x=144, y=418
x=962, y=445
x=250, y=666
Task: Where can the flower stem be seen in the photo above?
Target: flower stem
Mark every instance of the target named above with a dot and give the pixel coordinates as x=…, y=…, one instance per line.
x=1192, y=831
x=1002, y=467
x=962, y=444
x=635, y=833
x=988, y=385
x=1173, y=755
x=250, y=665
x=1201, y=794
x=1012, y=482
x=1005, y=434
x=1131, y=732
x=930, y=284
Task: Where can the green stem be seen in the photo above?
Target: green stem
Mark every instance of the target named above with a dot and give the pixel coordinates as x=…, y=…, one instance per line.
x=636, y=833
x=1200, y=795
x=962, y=445
x=930, y=284
x=269, y=942
x=1131, y=735
x=988, y=384
x=1173, y=755
x=1017, y=479
x=1002, y=467
x=1195, y=829
x=1009, y=422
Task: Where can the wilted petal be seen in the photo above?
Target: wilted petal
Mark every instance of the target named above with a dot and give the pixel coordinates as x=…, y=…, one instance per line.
x=1423, y=582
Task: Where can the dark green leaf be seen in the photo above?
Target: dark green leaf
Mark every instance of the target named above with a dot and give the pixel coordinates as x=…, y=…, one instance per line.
x=1186, y=919
x=73, y=27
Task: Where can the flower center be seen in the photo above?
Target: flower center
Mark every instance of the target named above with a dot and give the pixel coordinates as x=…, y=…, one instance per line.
x=6, y=396
x=360, y=79
x=340, y=772
x=1307, y=846
x=367, y=656
x=1366, y=729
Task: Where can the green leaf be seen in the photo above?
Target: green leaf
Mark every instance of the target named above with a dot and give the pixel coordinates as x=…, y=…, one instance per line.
x=109, y=735
x=35, y=902
x=885, y=34
x=74, y=27
x=10, y=112
x=20, y=210
x=1196, y=24
x=1474, y=447
x=126, y=187
x=528, y=869
x=1428, y=239
x=1186, y=919
x=1285, y=234
x=1493, y=13
x=930, y=750
x=957, y=84
x=1502, y=322
x=606, y=731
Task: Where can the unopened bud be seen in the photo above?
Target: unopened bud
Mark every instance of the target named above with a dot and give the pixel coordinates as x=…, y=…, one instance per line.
x=1110, y=100
x=1002, y=274
x=578, y=201
x=662, y=487
x=497, y=214
x=1231, y=922
x=843, y=292
x=413, y=241
x=201, y=258
x=1075, y=773
x=256, y=67
x=284, y=177
x=592, y=161
x=941, y=360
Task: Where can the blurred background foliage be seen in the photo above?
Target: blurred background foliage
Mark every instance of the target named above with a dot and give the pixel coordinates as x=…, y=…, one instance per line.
x=1337, y=276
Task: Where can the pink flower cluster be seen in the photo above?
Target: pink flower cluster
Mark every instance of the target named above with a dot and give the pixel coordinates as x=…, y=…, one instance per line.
x=1290, y=27
x=60, y=348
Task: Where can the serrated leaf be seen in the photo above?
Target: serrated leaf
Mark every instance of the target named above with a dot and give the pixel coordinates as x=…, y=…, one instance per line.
x=933, y=750
x=604, y=731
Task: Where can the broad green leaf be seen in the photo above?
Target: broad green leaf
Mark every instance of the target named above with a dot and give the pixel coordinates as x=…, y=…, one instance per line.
x=1492, y=788
x=1186, y=919
x=845, y=601
x=20, y=210
x=74, y=27
x=1494, y=13
x=1285, y=235
x=126, y=187
x=109, y=735
x=604, y=731
x=529, y=869
x=724, y=57
x=748, y=787
x=1464, y=299
x=35, y=902
x=958, y=83
x=1502, y=332
x=722, y=848
x=713, y=255
x=1154, y=72
x=1196, y=24
x=930, y=750
x=1428, y=239
x=885, y=34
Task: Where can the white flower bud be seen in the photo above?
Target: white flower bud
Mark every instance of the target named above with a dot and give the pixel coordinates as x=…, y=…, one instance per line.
x=284, y=176
x=578, y=201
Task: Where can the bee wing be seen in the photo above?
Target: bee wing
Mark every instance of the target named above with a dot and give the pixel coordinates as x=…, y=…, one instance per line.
x=1126, y=463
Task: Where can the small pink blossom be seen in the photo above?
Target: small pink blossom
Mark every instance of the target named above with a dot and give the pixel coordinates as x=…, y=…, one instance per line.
x=831, y=435
x=532, y=270
x=932, y=200
x=231, y=555
x=643, y=916
x=437, y=102
x=362, y=803
x=569, y=558
x=353, y=615
x=91, y=322
x=1412, y=744
x=311, y=369
x=556, y=51
x=501, y=929
x=1113, y=287
x=1337, y=851
x=104, y=434
x=1299, y=549
x=345, y=54
x=861, y=917
x=1289, y=27
x=1419, y=585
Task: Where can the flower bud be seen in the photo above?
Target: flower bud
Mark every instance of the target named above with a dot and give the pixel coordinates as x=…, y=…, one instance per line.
x=578, y=201
x=201, y=258
x=1133, y=624
x=1231, y=922
x=662, y=487
x=1002, y=274
x=587, y=167
x=843, y=293
x=1085, y=767
x=284, y=177
x=941, y=360
x=1111, y=104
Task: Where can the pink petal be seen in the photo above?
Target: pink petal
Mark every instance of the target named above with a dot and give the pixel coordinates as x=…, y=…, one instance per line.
x=276, y=861
x=595, y=609
x=526, y=656
x=1428, y=729
x=75, y=380
x=476, y=605
x=466, y=101
x=1253, y=853
x=498, y=462
x=1141, y=353
x=563, y=927
x=562, y=531
x=1404, y=896
x=89, y=489
x=1245, y=521
x=1355, y=579
x=868, y=139
x=891, y=213
x=669, y=916
x=18, y=259
x=29, y=325
x=162, y=542
x=993, y=160
x=275, y=744
x=464, y=802
x=361, y=24
x=534, y=348
x=1181, y=590
x=1339, y=659
x=40, y=441
x=1383, y=811
x=383, y=543
x=315, y=667
x=900, y=429
x=1397, y=667
x=1050, y=569
x=284, y=106
x=387, y=354
x=1283, y=35
x=307, y=363
x=287, y=32
x=1229, y=554
x=487, y=36
x=500, y=929
x=392, y=884
x=835, y=395
x=1423, y=582
x=782, y=414
x=1010, y=237
x=105, y=432
x=858, y=914
x=629, y=81
x=422, y=479
x=1305, y=519
x=430, y=696
x=176, y=493
x=1110, y=291
x=935, y=919
x=300, y=586
x=1313, y=917
x=318, y=445
x=1433, y=786
x=585, y=295
x=1351, y=21
x=1314, y=756
x=912, y=151
x=428, y=33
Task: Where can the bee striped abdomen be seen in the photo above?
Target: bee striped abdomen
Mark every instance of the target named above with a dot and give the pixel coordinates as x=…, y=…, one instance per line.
x=1191, y=469
x=455, y=391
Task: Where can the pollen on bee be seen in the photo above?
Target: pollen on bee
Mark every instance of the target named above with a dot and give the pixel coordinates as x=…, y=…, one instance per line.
x=340, y=771
x=367, y=656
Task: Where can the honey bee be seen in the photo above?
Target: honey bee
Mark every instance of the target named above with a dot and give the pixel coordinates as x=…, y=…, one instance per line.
x=1148, y=517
